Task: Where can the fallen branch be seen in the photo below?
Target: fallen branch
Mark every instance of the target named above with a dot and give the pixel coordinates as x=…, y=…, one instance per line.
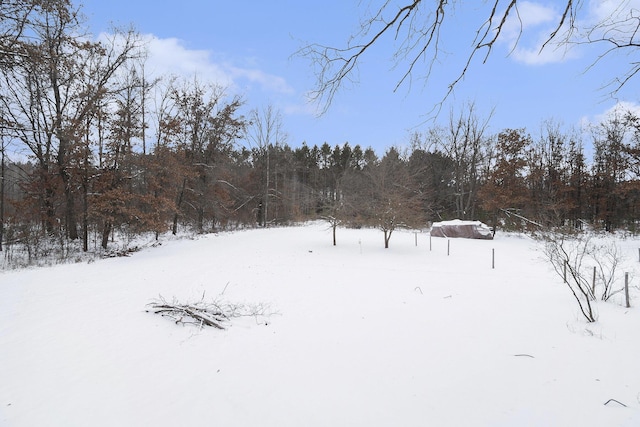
x=199, y=313
x=202, y=313
x=178, y=312
x=510, y=212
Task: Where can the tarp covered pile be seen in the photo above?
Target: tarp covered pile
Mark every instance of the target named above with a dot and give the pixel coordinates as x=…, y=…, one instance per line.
x=463, y=229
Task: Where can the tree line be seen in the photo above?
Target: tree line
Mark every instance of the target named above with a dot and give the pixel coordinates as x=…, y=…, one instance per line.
x=104, y=148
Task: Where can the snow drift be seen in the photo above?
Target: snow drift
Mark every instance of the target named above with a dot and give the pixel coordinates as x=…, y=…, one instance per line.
x=364, y=336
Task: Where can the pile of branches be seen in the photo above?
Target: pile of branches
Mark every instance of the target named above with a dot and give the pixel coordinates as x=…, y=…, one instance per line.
x=215, y=313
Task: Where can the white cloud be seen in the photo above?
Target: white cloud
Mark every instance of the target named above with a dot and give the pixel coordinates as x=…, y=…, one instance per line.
x=170, y=56
x=549, y=55
x=601, y=10
x=268, y=82
x=529, y=15
x=618, y=110
x=527, y=30
x=595, y=19
x=308, y=108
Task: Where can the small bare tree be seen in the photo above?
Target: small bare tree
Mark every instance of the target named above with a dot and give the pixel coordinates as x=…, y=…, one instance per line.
x=383, y=196
x=572, y=256
x=567, y=257
x=607, y=259
x=333, y=213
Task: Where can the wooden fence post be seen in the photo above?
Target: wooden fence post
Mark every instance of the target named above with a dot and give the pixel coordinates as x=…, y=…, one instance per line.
x=626, y=289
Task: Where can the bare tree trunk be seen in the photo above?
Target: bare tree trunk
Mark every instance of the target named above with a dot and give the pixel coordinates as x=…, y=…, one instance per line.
x=200, y=220
x=85, y=193
x=266, y=196
x=105, y=234
x=70, y=217
x=85, y=221
x=335, y=225
x=50, y=211
x=174, y=229
x=2, y=186
x=174, y=226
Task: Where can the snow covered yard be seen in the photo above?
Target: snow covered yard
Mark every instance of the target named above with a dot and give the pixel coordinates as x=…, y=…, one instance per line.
x=360, y=336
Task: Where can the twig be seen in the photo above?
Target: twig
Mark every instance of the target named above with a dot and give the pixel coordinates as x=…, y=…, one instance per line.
x=225, y=288
x=524, y=355
x=616, y=401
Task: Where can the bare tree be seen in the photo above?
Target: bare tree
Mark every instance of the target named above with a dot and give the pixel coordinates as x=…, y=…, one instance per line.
x=465, y=143
x=265, y=133
x=607, y=259
x=432, y=172
x=504, y=191
x=417, y=29
x=334, y=209
x=567, y=256
x=53, y=89
x=548, y=176
x=610, y=171
x=2, y=185
x=207, y=123
x=383, y=196
x=588, y=268
x=15, y=18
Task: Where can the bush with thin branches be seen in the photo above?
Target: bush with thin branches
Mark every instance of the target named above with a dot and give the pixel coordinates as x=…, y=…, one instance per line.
x=589, y=269
x=567, y=255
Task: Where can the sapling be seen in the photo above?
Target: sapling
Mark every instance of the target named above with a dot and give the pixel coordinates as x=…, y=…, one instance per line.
x=567, y=257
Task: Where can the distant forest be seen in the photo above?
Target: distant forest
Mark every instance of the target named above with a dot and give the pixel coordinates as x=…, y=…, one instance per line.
x=91, y=145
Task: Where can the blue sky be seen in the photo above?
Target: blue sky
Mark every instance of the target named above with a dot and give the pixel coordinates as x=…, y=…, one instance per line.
x=249, y=46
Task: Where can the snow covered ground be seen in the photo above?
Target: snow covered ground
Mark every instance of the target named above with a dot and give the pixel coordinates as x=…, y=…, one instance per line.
x=360, y=336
